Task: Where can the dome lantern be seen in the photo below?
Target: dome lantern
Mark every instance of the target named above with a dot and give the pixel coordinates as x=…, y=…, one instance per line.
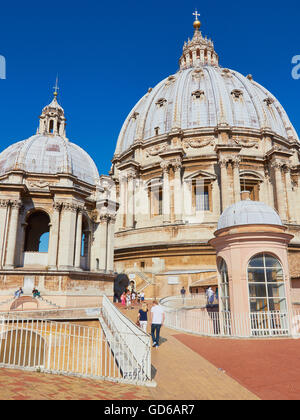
x=199, y=51
x=52, y=120
x=49, y=151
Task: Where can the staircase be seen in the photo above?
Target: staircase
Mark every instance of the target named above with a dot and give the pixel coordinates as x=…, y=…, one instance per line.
x=49, y=302
x=147, y=281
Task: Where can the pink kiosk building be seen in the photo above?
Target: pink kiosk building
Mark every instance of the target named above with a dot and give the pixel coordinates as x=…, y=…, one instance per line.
x=252, y=260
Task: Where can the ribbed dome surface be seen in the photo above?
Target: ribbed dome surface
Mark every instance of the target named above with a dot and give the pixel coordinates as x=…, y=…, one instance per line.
x=49, y=155
x=248, y=212
x=204, y=97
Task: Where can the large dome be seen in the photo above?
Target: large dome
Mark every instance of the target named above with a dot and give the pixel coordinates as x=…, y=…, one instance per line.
x=247, y=212
x=203, y=95
x=43, y=154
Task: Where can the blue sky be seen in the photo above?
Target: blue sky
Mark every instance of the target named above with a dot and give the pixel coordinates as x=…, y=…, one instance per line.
x=108, y=54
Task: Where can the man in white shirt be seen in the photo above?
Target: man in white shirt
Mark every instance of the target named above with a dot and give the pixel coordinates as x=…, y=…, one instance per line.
x=157, y=320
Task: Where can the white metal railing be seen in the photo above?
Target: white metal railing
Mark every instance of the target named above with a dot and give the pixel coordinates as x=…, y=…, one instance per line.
x=259, y=324
x=133, y=346
x=56, y=314
x=56, y=347
x=190, y=300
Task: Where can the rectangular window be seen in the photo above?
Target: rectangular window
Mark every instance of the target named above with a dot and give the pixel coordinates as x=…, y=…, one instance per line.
x=156, y=197
x=201, y=194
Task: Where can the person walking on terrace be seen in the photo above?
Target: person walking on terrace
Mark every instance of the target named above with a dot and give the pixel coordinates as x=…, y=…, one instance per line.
x=143, y=317
x=182, y=292
x=157, y=321
x=128, y=300
x=210, y=296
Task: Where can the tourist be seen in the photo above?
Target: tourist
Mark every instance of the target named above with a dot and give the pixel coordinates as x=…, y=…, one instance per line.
x=142, y=296
x=128, y=300
x=19, y=292
x=182, y=292
x=133, y=296
x=123, y=299
x=36, y=293
x=210, y=296
x=157, y=320
x=143, y=317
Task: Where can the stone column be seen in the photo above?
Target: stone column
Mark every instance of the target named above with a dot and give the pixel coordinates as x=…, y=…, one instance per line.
x=177, y=191
x=188, y=198
x=67, y=236
x=166, y=192
x=110, y=243
x=224, y=183
x=78, y=238
x=54, y=235
x=123, y=200
x=100, y=246
x=215, y=194
x=297, y=195
x=130, y=200
x=3, y=227
x=280, y=193
x=289, y=191
x=12, y=234
x=236, y=179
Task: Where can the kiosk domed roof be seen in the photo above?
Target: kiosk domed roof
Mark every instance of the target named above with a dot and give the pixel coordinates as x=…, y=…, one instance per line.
x=248, y=212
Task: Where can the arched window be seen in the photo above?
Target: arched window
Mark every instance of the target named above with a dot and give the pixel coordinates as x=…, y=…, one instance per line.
x=266, y=284
x=224, y=286
x=85, y=238
x=37, y=232
x=250, y=181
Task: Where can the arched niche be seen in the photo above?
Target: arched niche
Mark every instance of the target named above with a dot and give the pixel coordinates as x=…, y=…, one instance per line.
x=37, y=232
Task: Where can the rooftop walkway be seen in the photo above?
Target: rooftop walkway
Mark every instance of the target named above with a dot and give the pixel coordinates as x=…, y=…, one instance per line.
x=182, y=373
x=185, y=367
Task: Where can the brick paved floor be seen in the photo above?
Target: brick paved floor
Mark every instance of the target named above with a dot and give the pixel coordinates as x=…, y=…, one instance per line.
x=268, y=368
x=26, y=385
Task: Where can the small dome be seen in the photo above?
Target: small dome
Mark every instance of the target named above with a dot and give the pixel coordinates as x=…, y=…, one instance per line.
x=248, y=212
x=42, y=154
x=49, y=151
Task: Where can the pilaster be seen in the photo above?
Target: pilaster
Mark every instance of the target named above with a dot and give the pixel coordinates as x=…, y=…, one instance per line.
x=15, y=206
